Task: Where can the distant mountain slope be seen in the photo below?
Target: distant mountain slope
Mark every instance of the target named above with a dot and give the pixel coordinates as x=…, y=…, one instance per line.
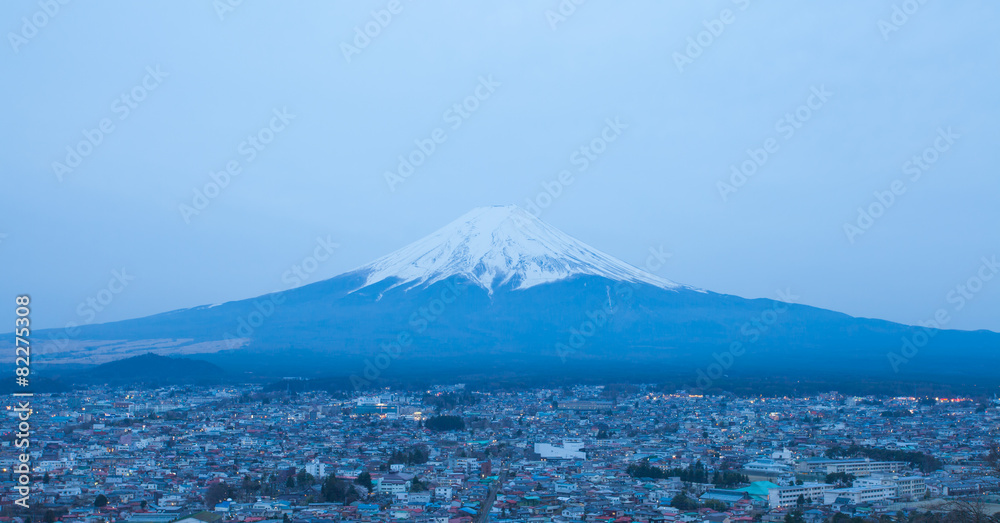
x=499, y=291
x=151, y=367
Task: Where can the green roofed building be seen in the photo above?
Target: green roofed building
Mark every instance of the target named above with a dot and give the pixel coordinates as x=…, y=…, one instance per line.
x=758, y=490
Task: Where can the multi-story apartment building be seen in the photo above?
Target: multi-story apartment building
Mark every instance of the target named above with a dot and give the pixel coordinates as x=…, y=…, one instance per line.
x=906, y=487
x=785, y=496
x=857, y=467
x=858, y=495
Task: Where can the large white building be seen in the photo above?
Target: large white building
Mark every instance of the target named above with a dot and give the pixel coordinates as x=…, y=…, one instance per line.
x=418, y=497
x=878, y=487
x=785, y=496
x=570, y=449
x=443, y=493
x=392, y=485
x=858, y=495
x=906, y=487
x=316, y=468
x=857, y=467
x=767, y=466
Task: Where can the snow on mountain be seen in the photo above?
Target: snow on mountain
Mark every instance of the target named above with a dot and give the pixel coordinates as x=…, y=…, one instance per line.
x=498, y=246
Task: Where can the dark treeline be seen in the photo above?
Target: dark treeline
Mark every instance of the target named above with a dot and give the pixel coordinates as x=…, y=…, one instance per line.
x=444, y=423
x=450, y=400
x=742, y=386
x=413, y=456
x=697, y=473
x=620, y=381
x=336, y=490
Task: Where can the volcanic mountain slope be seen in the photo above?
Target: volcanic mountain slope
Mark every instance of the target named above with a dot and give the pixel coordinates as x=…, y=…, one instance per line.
x=497, y=289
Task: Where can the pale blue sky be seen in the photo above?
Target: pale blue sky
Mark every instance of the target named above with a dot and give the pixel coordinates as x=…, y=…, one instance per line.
x=655, y=186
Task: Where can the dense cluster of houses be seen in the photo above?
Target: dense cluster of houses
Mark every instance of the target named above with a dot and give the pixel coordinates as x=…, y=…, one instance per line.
x=581, y=454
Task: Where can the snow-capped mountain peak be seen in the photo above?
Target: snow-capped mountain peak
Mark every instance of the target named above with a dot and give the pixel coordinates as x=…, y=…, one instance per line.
x=501, y=245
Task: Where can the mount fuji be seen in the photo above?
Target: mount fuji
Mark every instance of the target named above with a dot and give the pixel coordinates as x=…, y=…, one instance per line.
x=498, y=291
x=503, y=247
